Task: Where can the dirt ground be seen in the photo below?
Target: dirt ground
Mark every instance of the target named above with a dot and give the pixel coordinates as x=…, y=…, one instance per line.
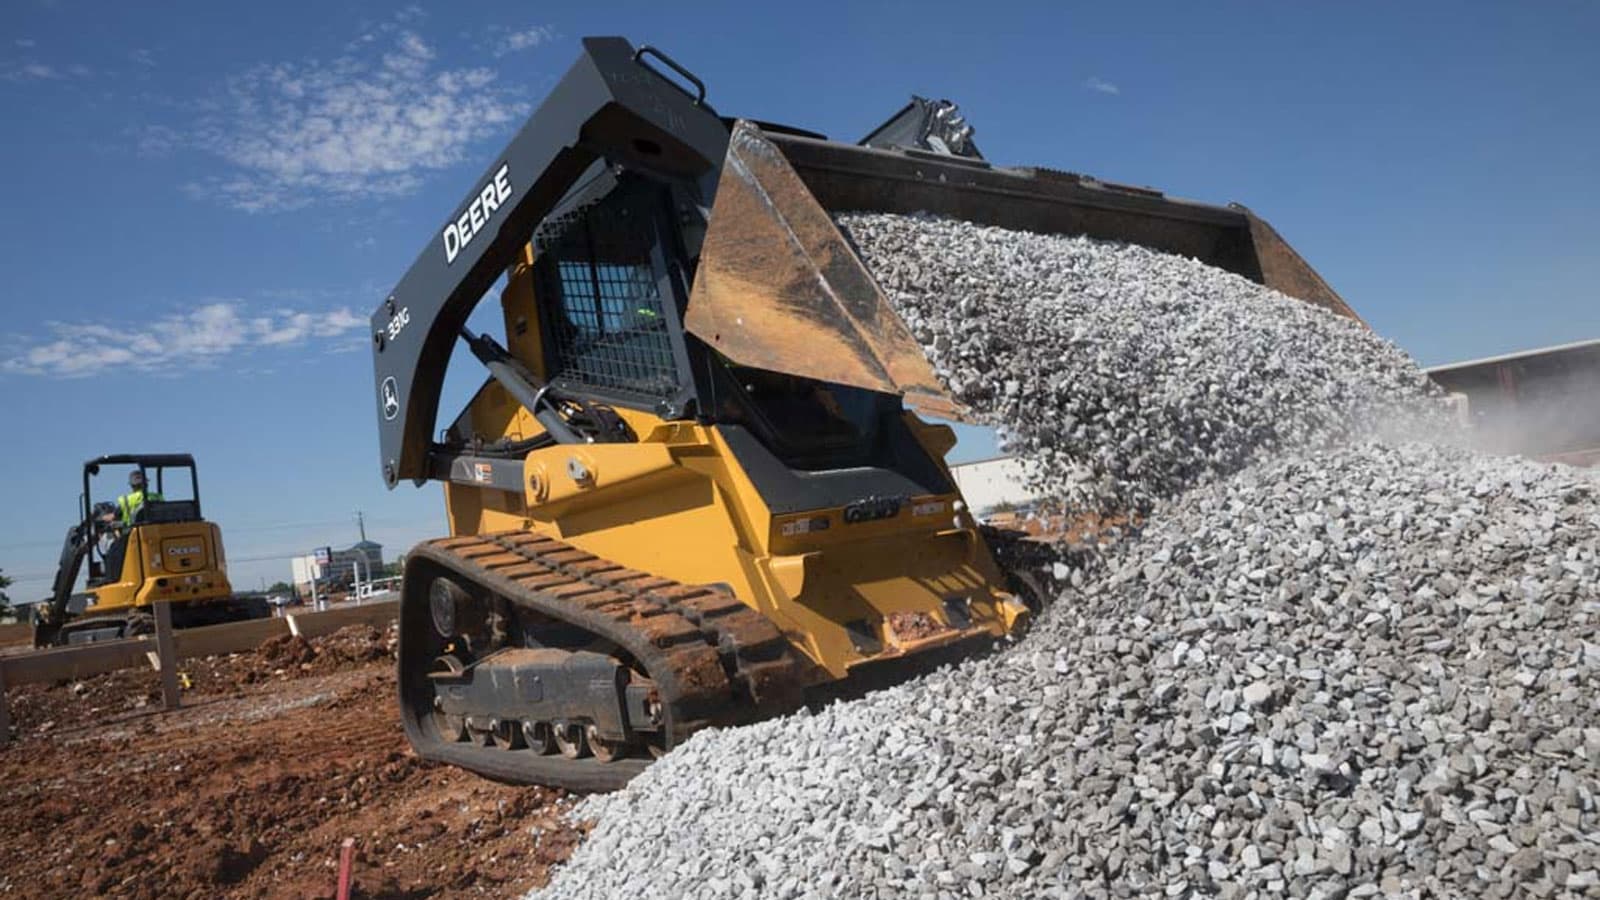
x=275, y=758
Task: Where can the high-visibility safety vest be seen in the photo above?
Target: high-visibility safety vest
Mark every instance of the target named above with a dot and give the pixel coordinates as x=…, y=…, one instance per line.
x=129, y=504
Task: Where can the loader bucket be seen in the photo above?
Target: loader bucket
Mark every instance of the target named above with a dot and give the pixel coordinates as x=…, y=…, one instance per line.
x=780, y=288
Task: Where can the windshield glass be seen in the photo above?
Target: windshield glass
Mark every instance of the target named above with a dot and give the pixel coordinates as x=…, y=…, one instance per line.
x=809, y=424
x=169, y=494
x=166, y=483
x=600, y=290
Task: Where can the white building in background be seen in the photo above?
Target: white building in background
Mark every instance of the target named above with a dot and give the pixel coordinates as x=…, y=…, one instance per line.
x=338, y=567
x=368, y=553
x=990, y=483
x=305, y=571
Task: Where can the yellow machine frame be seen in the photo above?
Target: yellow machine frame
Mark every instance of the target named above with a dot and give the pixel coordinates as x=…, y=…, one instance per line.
x=675, y=505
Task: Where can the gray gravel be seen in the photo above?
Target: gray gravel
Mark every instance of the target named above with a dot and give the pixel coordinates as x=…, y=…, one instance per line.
x=1123, y=374
x=1340, y=670
x=1369, y=670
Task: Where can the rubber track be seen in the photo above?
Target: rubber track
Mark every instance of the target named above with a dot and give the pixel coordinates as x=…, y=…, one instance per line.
x=759, y=663
x=714, y=660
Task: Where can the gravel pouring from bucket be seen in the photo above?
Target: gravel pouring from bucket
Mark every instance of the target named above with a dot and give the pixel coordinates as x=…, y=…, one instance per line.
x=779, y=286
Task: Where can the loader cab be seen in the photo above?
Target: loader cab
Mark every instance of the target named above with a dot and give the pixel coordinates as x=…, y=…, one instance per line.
x=171, y=496
x=613, y=270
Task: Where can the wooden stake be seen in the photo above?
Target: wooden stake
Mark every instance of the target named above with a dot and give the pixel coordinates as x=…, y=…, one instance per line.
x=167, y=649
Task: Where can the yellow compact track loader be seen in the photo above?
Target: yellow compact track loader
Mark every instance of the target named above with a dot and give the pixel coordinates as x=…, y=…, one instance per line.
x=160, y=549
x=691, y=488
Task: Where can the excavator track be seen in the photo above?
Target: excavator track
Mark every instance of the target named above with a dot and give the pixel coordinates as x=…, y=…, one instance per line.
x=706, y=658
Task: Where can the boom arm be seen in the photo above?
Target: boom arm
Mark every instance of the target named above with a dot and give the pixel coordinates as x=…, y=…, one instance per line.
x=52, y=614
x=610, y=105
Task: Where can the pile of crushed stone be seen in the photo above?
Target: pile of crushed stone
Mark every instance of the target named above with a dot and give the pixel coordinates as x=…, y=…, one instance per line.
x=1361, y=671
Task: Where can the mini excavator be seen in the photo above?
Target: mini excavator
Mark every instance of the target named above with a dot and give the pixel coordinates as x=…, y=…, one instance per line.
x=163, y=550
x=695, y=484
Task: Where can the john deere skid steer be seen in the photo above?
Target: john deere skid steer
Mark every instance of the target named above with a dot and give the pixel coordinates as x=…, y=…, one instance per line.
x=692, y=486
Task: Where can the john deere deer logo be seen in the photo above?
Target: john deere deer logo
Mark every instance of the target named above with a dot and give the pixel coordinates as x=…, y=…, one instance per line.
x=391, y=398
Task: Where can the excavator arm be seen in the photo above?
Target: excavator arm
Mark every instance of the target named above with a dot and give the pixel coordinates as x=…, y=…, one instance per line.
x=48, y=620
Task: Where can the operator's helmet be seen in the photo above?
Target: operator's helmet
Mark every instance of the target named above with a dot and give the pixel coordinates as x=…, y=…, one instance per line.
x=136, y=479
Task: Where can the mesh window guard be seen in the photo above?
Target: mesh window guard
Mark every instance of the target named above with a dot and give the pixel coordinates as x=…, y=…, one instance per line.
x=606, y=317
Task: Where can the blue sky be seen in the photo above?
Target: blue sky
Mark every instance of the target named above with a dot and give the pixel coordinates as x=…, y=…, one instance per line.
x=204, y=201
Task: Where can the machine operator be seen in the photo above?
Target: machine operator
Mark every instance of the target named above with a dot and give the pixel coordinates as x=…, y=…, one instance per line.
x=115, y=521
x=129, y=504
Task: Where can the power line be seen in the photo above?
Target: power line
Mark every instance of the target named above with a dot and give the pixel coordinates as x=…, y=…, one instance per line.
x=21, y=544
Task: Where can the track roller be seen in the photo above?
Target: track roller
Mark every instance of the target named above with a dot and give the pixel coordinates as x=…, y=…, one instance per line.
x=570, y=739
x=604, y=750
x=539, y=737
x=507, y=733
x=452, y=728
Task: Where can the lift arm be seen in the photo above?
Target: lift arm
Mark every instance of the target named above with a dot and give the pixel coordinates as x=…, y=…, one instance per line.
x=611, y=105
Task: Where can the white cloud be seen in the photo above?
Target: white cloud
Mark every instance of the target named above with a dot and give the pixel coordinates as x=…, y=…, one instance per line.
x=196, y=339
x=370, y=123
x=156, y=141
x=142, y=57
x=525, y=39
x=1095, y=83
x=32, y=70
x=26, y=43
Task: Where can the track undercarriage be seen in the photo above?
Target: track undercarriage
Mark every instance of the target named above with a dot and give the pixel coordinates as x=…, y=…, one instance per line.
x=528, y=660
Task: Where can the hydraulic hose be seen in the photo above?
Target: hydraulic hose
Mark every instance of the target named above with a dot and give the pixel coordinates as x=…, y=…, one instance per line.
x=520, y=384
